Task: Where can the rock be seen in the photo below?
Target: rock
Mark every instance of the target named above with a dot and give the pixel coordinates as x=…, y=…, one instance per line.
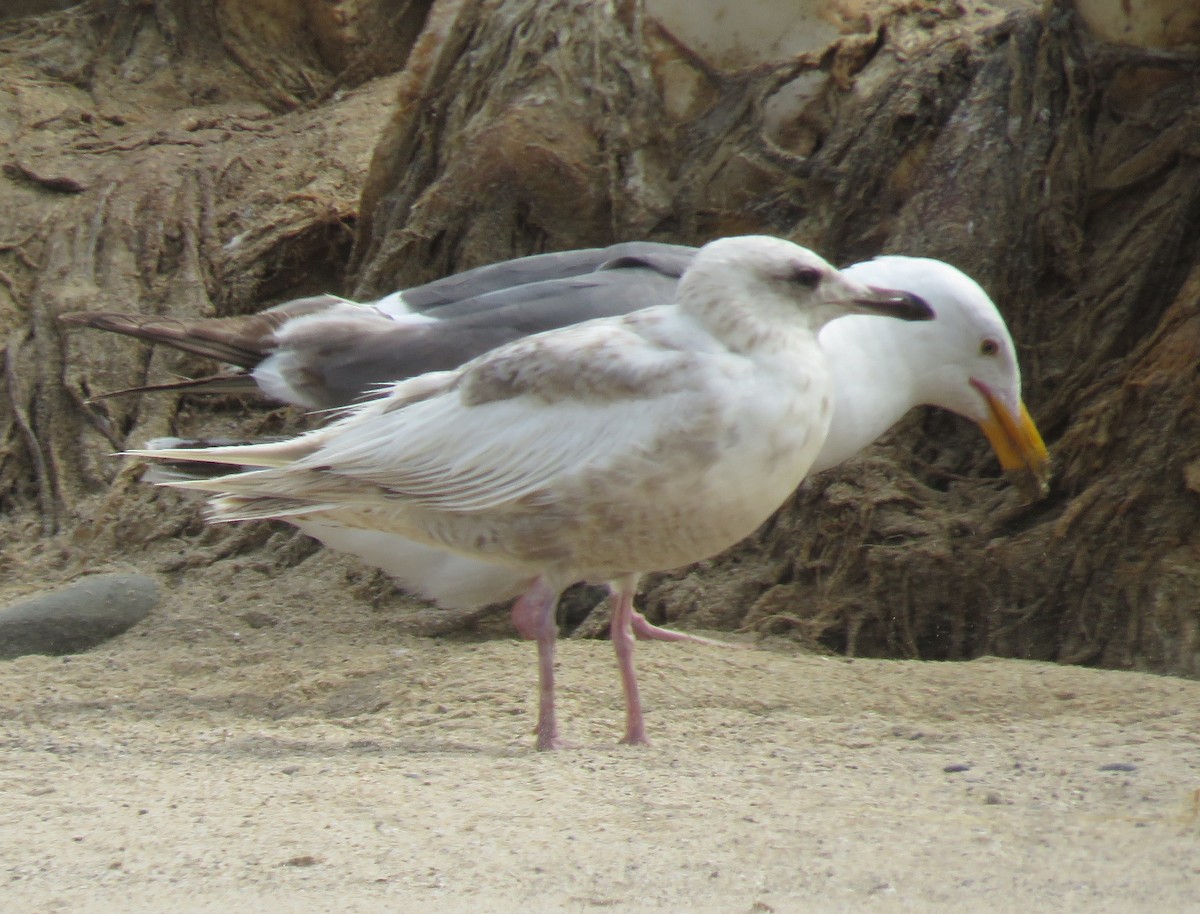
x=76, y=617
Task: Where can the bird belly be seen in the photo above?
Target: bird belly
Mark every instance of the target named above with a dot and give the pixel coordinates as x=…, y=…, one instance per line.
x=683, y=518
x=704, y=489
x=708, y=480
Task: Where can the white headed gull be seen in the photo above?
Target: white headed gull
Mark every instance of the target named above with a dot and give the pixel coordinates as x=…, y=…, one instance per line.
x=963, y=360
x=595, y=452
x=324, y=351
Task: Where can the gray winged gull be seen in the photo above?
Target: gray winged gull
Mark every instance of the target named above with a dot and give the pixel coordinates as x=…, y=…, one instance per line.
x=594, y=452
x=963, y=360
x=324, y=351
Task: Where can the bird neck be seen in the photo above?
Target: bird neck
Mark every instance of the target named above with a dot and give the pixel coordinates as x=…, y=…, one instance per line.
x=874, y=384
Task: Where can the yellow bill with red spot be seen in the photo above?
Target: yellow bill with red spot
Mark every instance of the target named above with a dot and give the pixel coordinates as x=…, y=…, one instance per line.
x=1017, y=442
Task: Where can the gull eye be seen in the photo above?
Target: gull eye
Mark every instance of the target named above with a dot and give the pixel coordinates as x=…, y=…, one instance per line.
x=808, y=277
x=989, y=346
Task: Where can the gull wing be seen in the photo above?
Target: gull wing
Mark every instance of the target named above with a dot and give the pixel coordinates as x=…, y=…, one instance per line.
x=331, y=359
x=510, y=427
x=511, y=274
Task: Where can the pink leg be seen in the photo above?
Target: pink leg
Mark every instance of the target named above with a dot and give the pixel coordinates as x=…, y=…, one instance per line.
x=647, y=631
x=622, y=639
x=527, y=611
x=533, y=615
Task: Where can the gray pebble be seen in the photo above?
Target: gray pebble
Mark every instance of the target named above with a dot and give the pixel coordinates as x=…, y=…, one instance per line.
x=76, y=617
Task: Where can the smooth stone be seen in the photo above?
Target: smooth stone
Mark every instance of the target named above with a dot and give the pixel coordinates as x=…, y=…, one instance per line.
x=76, y=617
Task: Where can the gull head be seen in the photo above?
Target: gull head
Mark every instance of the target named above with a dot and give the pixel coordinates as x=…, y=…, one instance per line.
x=965, y=361
x=761, y=281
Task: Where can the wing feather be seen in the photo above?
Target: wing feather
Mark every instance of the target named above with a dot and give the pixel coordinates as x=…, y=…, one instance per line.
x=518, y=424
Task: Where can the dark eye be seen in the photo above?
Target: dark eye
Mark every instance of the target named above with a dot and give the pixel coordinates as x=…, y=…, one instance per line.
x=809, y=277
x=989, y=347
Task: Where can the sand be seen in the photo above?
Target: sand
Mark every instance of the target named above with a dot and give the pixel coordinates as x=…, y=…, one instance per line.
x=292, y=742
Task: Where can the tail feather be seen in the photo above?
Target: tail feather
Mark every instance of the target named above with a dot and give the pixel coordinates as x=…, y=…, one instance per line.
x=213, y=384
x=163, y=472
x=243, y=340
x=268, y=454
x=231, y=508
x=447, y=578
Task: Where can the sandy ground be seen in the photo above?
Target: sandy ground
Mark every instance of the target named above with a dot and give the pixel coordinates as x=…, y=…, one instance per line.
x=287, y=741
x=278, y=740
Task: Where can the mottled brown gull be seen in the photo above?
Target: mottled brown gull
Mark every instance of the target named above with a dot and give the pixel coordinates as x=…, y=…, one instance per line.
x=595, y=452
x=324, y=351
x=328, y=351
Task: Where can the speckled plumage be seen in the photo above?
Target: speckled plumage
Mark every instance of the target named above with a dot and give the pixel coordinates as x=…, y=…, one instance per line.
x=595, y=452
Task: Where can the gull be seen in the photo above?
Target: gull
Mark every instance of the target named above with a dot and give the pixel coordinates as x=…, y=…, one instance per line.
x=963, y=360
x=595, y=452
x=324, y=351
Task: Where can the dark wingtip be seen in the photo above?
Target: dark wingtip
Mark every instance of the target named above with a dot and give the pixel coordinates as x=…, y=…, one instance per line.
x=899, y=304
x=240, y=384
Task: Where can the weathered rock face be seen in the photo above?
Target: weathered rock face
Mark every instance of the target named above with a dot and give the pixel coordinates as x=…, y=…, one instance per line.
x=518, y=125
x=1059, y=170
x=1143, y=23
x=20, y=9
